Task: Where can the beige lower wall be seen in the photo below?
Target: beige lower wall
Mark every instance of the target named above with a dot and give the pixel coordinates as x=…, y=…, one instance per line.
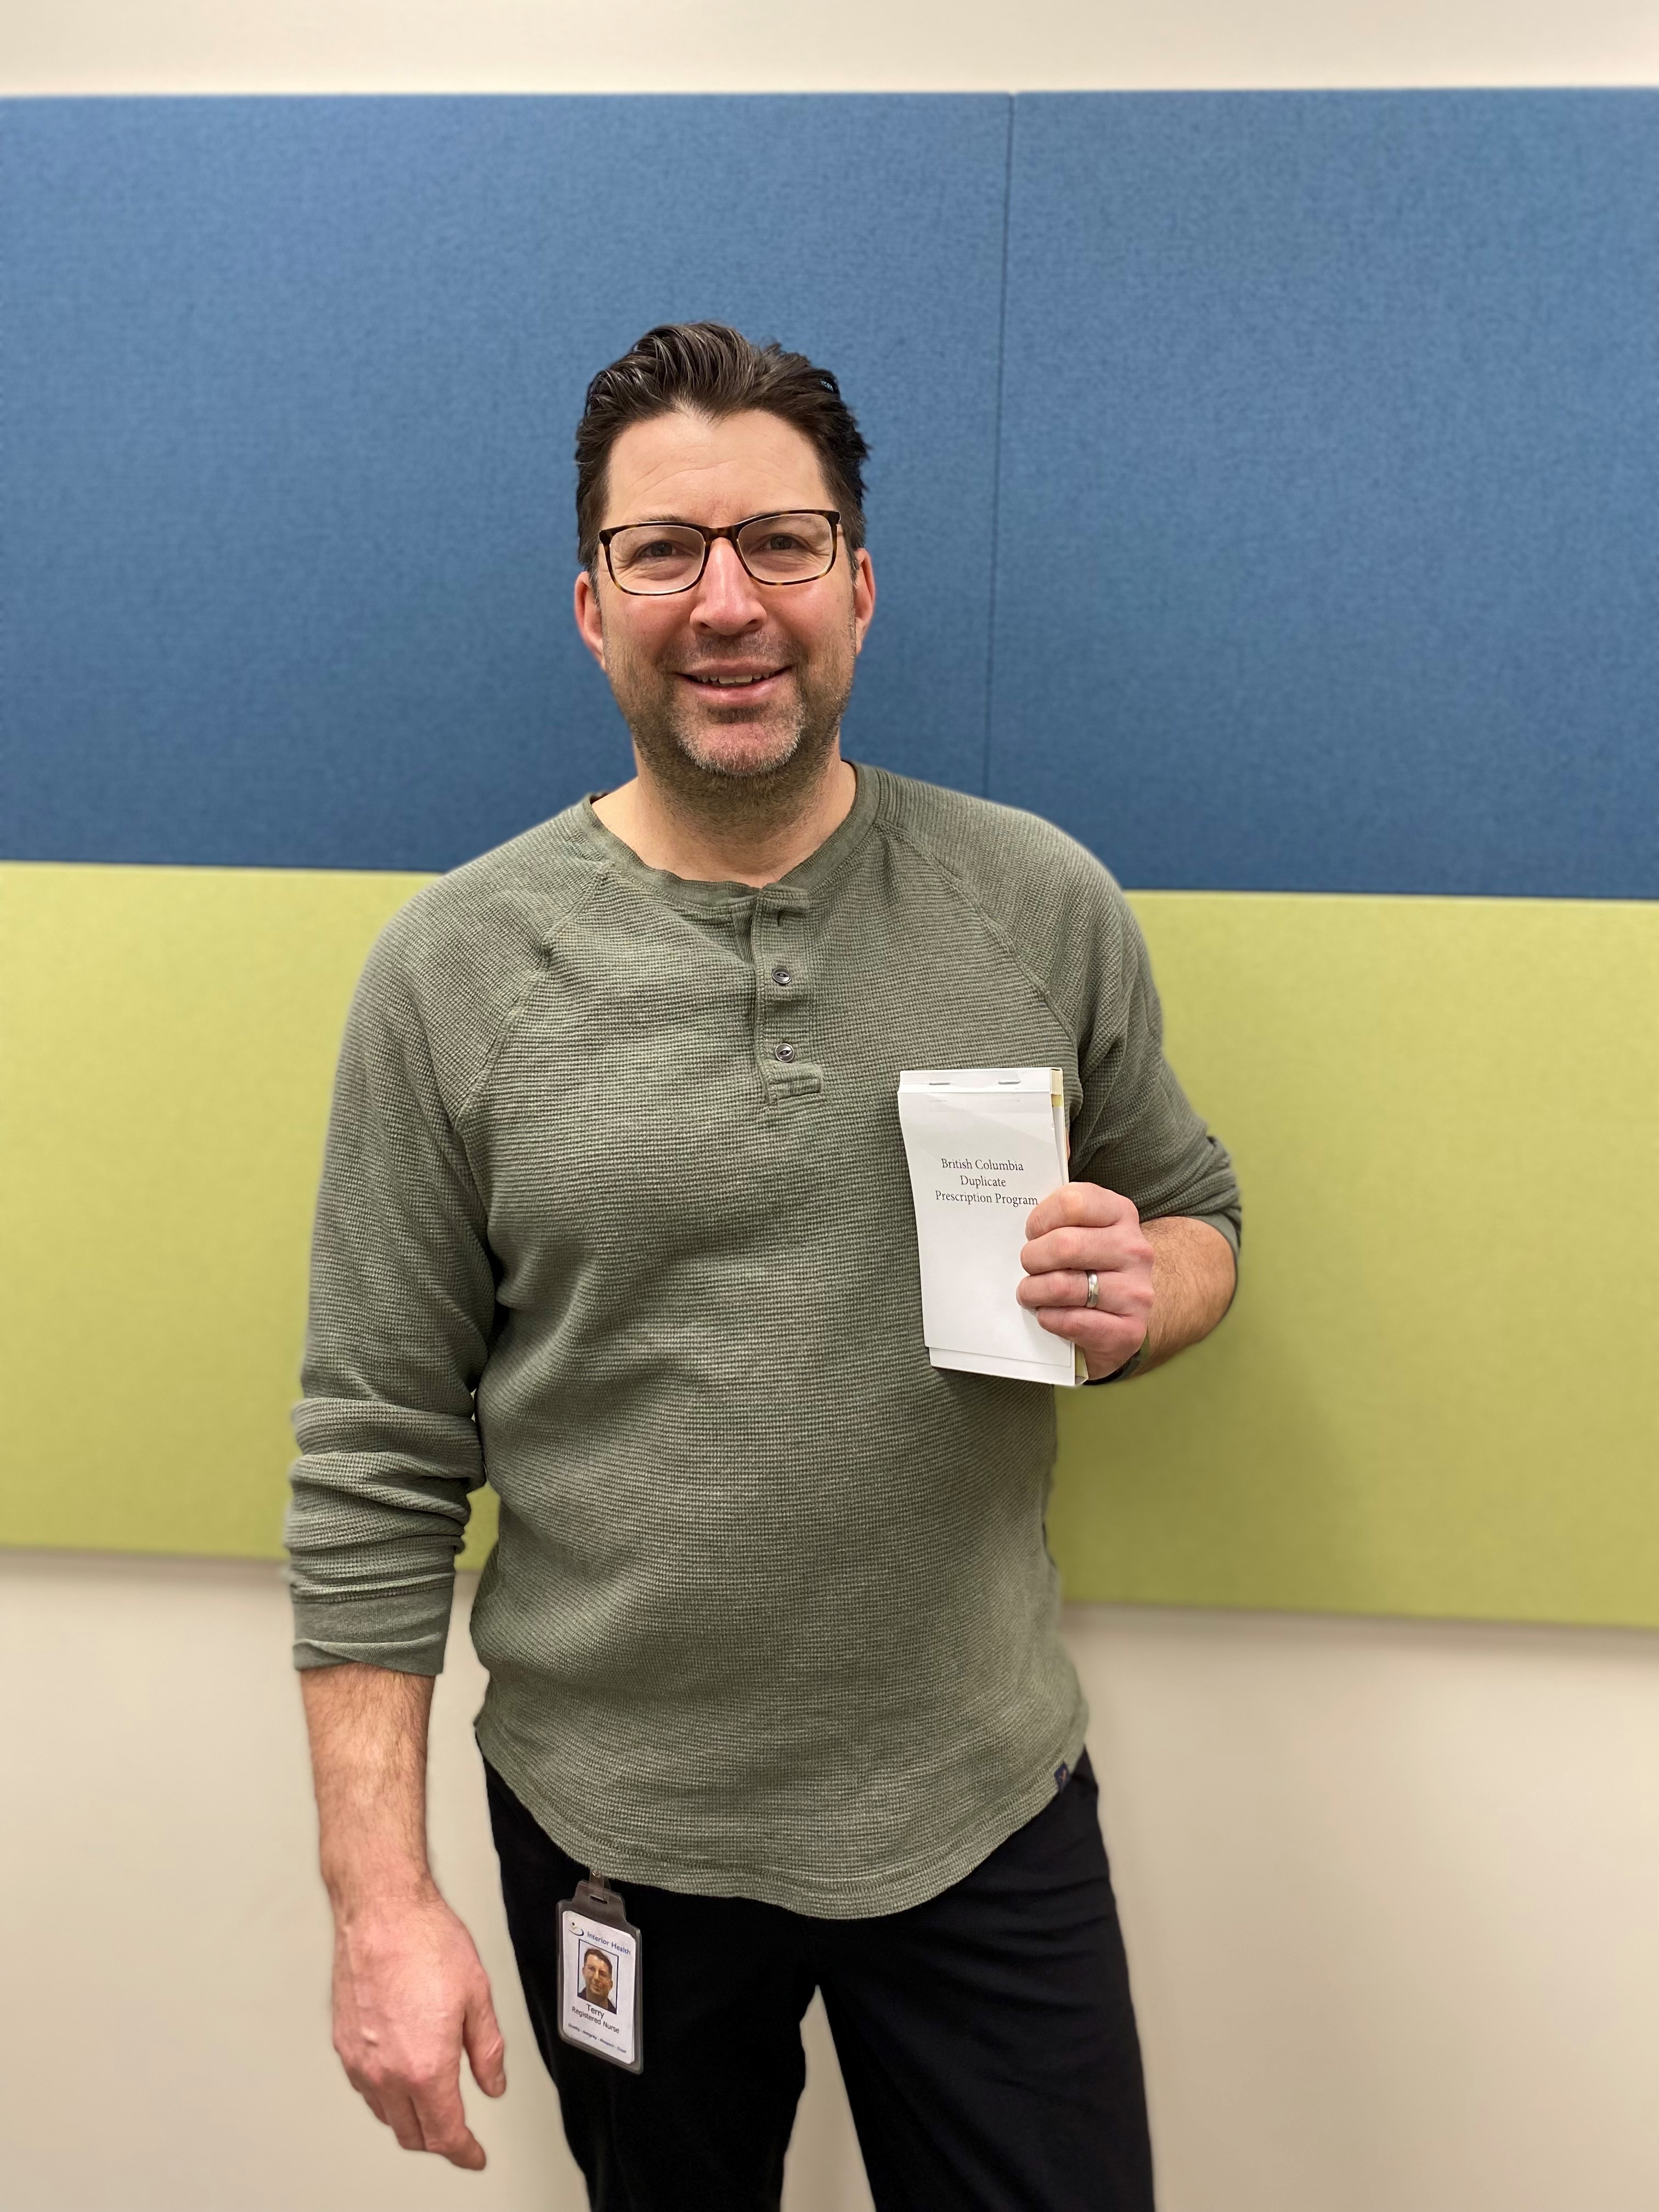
x=1388, y=1889
x=864, y=46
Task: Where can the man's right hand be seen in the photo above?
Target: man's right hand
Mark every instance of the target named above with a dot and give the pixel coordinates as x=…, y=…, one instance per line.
x=409, y=1994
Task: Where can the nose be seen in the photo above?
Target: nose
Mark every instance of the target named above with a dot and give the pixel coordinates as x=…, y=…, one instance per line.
x=727, y=599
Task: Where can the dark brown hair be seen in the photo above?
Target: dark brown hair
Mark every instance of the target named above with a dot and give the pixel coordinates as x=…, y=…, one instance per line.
x=714, y=370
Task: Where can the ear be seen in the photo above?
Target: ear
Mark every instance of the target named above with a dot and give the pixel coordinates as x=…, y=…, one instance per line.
x=589, y=622
x=863, y=597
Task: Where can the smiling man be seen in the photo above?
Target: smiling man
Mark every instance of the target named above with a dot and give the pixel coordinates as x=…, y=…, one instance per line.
x=615, y=1212
x=598, y=1980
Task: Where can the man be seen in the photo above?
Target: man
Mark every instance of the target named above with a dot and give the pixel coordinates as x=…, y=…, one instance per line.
x=616, y=1209
x=597, y=1979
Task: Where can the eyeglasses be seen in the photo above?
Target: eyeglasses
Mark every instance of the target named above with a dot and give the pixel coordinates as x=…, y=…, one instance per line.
x=797, y=546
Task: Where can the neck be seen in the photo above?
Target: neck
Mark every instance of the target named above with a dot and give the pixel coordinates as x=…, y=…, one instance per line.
x=669, y=831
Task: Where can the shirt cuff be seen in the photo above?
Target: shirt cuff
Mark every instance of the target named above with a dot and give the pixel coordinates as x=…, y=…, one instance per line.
x=1118, y=1374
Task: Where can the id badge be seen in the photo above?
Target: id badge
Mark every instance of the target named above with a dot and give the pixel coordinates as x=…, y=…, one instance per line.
x=600, y=1976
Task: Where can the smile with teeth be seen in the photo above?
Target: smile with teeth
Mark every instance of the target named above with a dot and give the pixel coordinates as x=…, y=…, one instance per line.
x=730, y=683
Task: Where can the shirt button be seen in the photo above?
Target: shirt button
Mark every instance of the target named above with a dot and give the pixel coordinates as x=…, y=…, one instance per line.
x=781, y=977
x=786, y=1052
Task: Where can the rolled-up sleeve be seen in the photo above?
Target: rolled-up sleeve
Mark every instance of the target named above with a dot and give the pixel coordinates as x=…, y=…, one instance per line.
x=401, y=1312
x=1136, y=1131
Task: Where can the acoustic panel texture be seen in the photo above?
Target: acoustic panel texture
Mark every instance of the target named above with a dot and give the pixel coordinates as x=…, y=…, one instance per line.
x=1329, y=465
x=291, y=386
x=1436, y=1394
x=1262, y=487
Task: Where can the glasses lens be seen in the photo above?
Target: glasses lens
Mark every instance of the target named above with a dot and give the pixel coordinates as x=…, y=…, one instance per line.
x=788, y=549
x=656, y=557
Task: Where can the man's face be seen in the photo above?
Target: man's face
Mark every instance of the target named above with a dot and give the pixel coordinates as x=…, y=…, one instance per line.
x=662, y=656
x=596, y=1977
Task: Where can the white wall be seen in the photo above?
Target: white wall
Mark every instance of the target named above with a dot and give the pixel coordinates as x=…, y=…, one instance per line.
x=1389, y=1887
x=762, y=46
x=1389, y=1890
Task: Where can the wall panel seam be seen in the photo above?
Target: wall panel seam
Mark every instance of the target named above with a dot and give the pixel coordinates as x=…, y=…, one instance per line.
x=996, y=446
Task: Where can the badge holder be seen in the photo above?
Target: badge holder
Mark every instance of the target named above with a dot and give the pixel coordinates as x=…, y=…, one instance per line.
x=600, y=1976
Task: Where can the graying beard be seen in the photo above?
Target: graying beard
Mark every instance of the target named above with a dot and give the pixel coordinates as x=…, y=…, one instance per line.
x=729, y=799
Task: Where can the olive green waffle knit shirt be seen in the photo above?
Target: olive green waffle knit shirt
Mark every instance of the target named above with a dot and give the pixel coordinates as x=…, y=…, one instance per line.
x=615, y=1210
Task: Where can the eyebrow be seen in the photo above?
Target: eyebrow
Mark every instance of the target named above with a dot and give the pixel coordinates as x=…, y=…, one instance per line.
x=646, y=521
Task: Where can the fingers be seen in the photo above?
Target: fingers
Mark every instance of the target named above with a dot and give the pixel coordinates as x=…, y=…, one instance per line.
x=1107, y=1333
x=1079, y=1227
x=1057, y=1266
x=1065, y=1288
x=441, y=2120
x=1122, y=1245
x=397, y=2109
x=1105, y=1341
x=419, y=2097
x=427, y=2115
x=443, y=2125
x=1081, y=1230
x=1082, y=1206
x=486, y=2046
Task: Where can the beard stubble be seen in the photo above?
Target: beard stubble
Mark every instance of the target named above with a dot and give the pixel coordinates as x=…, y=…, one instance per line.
x=728, y=796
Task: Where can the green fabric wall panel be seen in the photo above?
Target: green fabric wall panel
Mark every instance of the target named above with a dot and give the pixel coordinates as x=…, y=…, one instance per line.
x=171, y=1035
x=1437, y=1393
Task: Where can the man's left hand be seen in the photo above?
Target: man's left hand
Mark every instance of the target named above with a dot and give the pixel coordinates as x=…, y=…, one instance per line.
x=1080, y=1230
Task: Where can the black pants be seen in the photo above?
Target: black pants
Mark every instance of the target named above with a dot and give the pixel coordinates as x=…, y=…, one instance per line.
x=986, y=2038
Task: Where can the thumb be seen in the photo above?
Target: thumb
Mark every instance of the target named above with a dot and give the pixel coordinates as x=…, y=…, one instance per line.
x=486, y=2046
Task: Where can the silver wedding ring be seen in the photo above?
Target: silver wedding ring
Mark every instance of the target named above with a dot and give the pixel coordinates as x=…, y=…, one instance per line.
x=1093, y=1298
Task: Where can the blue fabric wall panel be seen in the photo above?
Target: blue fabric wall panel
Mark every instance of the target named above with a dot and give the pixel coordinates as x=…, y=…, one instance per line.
x=289, y=392
x=1330, y=455
x=1328, y=556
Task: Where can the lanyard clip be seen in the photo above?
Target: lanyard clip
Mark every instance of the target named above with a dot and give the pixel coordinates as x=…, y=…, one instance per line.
x=595, y=1895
